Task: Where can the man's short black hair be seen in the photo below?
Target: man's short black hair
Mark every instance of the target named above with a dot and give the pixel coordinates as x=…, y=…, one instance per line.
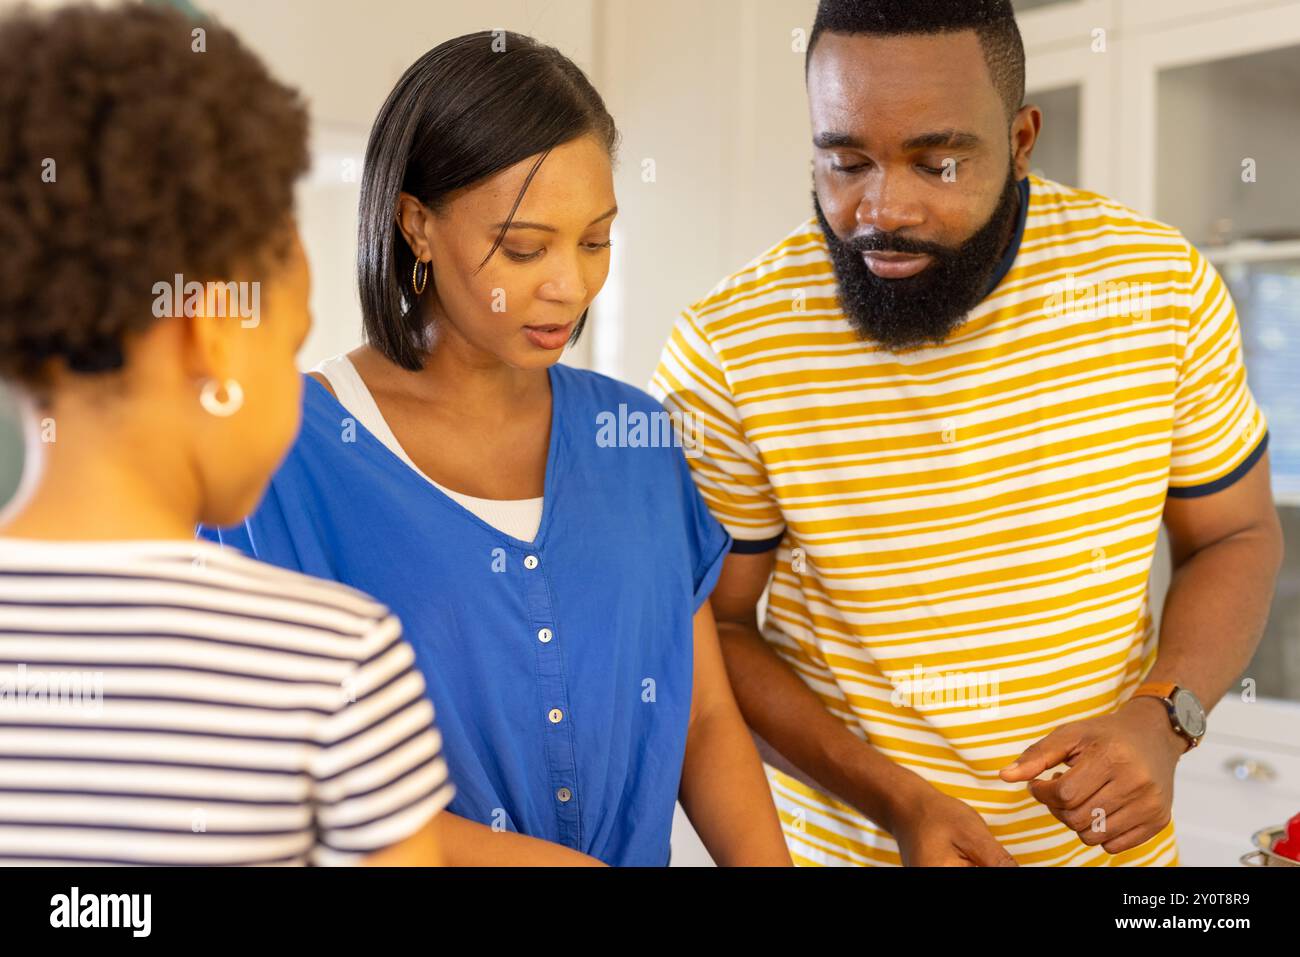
x=993, y=20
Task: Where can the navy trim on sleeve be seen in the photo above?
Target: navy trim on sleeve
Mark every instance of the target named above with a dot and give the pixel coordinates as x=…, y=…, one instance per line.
x=713, y=570
x=742, y=546
x=1197, y=491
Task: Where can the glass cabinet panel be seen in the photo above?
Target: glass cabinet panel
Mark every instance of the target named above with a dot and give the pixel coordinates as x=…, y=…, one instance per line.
x=1056, y=155
x=1227, y=140
x=1267, y=294
x=1024, y=6
x=11, y=448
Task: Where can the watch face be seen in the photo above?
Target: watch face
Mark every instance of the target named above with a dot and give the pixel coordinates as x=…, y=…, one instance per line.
x=1189, y=712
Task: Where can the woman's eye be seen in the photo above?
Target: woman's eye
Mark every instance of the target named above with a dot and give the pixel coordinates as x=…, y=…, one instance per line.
x=522, y=257
x=527, y=257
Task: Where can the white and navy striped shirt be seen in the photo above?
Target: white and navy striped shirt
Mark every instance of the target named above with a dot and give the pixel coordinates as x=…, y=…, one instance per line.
x=169, y=703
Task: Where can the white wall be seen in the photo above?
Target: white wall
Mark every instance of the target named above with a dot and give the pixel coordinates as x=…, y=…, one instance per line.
x=713, y=95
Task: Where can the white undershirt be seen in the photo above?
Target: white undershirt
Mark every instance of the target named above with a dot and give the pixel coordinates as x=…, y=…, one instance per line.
x=519, y=518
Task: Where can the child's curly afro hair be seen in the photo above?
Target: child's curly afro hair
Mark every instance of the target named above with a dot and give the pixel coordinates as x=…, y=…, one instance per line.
x=132, y=148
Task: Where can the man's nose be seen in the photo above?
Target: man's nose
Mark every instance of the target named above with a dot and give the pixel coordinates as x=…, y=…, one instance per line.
x=889, y=206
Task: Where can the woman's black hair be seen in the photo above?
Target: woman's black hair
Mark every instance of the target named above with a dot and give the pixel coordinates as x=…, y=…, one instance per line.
x=467, y=109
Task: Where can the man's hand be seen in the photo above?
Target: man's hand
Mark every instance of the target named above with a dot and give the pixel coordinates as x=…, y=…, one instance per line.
x=791, y=720
x=1119, y=791
x=936, y=830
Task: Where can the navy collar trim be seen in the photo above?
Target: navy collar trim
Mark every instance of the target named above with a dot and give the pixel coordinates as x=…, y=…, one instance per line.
x=1013, y=250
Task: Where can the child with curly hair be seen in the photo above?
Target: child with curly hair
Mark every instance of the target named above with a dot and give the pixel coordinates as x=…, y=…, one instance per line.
x=162, y=700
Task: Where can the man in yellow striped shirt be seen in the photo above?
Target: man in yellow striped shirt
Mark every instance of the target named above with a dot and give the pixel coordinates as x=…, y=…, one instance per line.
x=945, y=418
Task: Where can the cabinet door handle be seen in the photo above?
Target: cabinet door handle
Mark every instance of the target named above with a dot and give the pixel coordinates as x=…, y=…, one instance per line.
x=1249, y=769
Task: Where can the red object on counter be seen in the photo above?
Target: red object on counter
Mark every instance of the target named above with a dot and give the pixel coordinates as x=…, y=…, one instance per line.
x=1288, y=846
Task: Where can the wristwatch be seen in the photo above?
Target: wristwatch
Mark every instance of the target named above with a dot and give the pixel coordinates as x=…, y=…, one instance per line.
x=1185, y=711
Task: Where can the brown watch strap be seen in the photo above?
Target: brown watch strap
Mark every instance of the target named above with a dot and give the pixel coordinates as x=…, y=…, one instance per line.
x=1164, y=690
x=1157, y=689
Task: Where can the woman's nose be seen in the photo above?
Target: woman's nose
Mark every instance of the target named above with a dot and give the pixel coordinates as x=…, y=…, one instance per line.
x=566, y=285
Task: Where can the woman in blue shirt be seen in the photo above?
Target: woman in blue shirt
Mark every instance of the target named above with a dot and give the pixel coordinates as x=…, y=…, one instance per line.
x=550, y=568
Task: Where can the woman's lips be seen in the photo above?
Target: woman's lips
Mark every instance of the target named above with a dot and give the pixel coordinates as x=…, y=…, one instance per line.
x=895, y=265
x=550, y=337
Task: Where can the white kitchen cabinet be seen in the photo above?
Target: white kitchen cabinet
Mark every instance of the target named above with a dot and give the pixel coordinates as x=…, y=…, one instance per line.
x=1244, y=777
x=1166, y=115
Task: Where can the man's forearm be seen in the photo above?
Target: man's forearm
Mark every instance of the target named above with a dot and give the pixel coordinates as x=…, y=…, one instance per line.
x=793, y=720
x=1216, y=612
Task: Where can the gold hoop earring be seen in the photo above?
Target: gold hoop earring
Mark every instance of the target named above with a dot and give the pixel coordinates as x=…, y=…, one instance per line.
x=415, y=272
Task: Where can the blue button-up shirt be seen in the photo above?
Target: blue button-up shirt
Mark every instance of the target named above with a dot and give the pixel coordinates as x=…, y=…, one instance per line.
x=560, y=669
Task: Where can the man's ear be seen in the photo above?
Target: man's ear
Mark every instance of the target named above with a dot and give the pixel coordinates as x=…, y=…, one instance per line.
x=413, y=219
x=1024, y=136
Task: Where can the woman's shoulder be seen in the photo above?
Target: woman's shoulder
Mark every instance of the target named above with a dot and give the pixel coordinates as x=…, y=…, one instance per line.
x=604, y=392
x=324, y=413
x=618, y=415
x=320, y=378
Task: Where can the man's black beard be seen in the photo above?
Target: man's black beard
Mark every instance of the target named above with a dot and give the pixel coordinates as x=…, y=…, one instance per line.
x=927, y=308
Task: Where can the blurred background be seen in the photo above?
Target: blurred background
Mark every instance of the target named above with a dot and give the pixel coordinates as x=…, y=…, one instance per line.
x=1157, y=103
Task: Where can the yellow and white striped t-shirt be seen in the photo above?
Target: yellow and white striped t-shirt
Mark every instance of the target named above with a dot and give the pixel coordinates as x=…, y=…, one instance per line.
x=964, y=532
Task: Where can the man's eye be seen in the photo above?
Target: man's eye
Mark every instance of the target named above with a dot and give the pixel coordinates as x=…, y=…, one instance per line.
x=946, y=165
x=848, y=168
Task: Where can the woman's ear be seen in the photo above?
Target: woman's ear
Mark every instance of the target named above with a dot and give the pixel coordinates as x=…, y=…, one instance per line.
x=413, y=219
x=207, y=339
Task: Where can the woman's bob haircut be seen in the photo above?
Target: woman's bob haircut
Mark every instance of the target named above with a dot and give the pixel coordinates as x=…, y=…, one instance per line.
x=466, y=110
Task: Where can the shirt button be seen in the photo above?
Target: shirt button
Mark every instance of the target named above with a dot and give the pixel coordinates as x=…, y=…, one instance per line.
x=545, y=635
x=556, y=716
x=530, y=562
x=564, y=794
